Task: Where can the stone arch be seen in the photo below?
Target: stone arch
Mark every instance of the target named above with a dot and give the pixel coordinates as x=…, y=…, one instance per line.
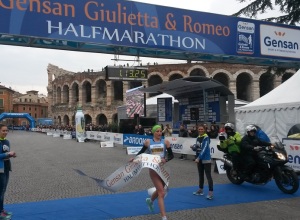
x=198, y=70
x=118, y=90
x=58, y=95
x=86, y=91
x=175, y=75
x=101, y=119
x=235, y=75
x=65, y=94
x=75, y=92
x=154, y=80
x=88, y=119
x=66, y=120
x=101, y=89
x=222, y=76
x=244, y=86
x=266, y=82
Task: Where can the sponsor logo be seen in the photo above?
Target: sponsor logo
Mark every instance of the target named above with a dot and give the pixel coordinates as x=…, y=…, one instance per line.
x=278, y=43
x=135, y=140
x=107, y=138
x=294, y=159
x=294, y=147
x=246, y=27
x=176, y=146
x=279, y=33
x=174, y=139
x=117, y=139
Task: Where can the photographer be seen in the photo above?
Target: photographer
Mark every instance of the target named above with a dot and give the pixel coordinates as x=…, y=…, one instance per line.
x=231, y=144
x=167, y=131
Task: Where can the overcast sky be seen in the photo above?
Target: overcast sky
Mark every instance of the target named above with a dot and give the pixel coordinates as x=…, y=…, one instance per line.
x=24, y=68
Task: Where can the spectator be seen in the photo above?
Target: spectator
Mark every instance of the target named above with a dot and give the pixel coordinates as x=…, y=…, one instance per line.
x=5, y=166
x=193, y=133
x=167, y=131
x=141, y=130
x=182, y=133
x=222, y=128
x=203, y=161
x=213, y=131
x=136, y=129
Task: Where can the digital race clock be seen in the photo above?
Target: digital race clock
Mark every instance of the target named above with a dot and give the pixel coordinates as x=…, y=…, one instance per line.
x=126, y=73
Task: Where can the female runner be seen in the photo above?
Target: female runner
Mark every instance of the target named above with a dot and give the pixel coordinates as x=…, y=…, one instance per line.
x=157, y=146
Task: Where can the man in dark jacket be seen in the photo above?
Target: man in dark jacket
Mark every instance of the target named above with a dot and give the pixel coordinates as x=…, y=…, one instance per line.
x=249, y=147
x=182, y=133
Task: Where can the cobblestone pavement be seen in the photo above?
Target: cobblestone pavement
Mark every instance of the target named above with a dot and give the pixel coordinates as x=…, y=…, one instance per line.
x=45, y=170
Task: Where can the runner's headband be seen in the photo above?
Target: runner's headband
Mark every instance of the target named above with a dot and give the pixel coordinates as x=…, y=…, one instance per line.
x=155, y=127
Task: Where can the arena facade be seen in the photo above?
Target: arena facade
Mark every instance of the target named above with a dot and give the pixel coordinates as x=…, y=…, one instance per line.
x=100, y=97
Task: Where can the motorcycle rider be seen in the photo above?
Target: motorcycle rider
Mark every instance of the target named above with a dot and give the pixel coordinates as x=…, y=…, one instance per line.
x=231, y=144
x=250, y=145
x=261, y=134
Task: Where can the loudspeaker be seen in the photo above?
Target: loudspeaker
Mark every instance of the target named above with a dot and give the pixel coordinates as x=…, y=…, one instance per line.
x=194, y=114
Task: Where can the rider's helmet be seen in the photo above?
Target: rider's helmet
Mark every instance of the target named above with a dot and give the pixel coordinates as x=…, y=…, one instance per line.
x=251, y=128
x=229, y=126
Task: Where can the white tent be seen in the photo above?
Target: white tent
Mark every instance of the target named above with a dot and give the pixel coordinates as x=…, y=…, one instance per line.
x=276, y=112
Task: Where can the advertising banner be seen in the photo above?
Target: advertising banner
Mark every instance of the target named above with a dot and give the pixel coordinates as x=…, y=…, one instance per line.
x=127, y=173
x=292, y=147
x=131, y=24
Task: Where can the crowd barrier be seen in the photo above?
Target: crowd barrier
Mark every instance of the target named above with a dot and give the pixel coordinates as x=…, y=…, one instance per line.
x=134, y=143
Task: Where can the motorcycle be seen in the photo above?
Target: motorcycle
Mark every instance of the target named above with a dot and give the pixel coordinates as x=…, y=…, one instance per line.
x=270, y=165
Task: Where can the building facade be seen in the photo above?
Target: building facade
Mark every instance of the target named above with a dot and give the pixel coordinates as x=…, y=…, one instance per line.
x=6, y=102
x=33, y=104
x=99, y=97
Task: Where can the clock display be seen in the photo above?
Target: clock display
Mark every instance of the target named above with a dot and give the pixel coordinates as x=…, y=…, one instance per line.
x=126, y=73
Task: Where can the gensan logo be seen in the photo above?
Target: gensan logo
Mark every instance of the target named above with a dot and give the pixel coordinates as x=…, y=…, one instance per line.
x=279, y=33
x=294, y=147
x=279, y=42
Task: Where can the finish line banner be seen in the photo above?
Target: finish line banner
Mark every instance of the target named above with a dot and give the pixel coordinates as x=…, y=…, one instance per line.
x=125, y=174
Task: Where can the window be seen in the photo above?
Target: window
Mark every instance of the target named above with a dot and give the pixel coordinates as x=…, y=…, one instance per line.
x=29, y=108
x=42, y=111
x=1, y=92
x=25, y=100
x=23, y=108
x=35, y=108
x=1, y=103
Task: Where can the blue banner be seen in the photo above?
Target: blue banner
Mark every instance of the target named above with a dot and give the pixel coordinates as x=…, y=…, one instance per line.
x=139, y=25
x=134, y=140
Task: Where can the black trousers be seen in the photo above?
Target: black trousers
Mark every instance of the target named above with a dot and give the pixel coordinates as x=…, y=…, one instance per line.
x=206, y=167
